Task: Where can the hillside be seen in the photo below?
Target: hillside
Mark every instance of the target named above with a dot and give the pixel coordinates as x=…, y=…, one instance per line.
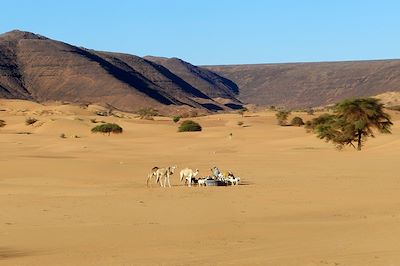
x=37, y=68
x=205, y=80
x=311, y=84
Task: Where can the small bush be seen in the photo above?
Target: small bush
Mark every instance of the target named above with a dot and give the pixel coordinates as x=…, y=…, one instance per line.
x=62, y=135
x=107, y=128
x=310, y=111
x=297, y=121
x=282, y=117
x=103, y=113
x=240, y=123
x=147, y=113
x=30, y=121
x=176, y=118
x=189, y=125
x=2, y=123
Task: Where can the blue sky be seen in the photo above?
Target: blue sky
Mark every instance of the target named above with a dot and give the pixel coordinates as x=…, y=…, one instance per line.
x=218, y=31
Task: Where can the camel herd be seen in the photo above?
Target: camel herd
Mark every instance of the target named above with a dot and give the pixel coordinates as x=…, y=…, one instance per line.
x=162, y=177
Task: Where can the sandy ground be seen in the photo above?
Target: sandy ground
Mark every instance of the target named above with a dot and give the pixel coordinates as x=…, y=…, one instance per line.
x=83, y=201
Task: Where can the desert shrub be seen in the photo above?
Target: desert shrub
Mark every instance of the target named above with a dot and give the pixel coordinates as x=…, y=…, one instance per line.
x=297, y=121
x=107, y=128
x=147, y=113
x=62, y=135
x=176, y=118
x=191, y=113
x=2, y=123
x=240, y=123
x=310, y=111
x=30, y=121
x=189, y=125
x=103, y=113
x=282, y=117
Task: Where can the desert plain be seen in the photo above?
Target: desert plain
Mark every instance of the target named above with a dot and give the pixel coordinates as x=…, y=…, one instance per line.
x=83, y=200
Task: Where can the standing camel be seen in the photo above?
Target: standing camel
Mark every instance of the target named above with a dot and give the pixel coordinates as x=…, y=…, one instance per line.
x=165, y=173
x=188, y=174
x=153, y=173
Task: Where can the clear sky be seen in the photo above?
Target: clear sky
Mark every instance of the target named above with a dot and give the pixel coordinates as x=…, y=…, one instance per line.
x=218, y=31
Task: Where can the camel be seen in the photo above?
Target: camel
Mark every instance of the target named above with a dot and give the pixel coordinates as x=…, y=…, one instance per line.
x=188, y=174
x=202, y=182
x=152, y=174
x=164, y=173
x=232, y=180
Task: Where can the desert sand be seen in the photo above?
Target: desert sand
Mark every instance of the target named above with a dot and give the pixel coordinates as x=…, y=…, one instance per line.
x=82, y=200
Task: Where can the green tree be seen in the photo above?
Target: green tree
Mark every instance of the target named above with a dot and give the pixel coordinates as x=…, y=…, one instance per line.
x=353, y=122
x=282, y=117
x=107, y=128
x=189, y=125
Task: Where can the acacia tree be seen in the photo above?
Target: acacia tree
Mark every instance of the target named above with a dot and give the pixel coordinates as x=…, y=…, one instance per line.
x=353, y=121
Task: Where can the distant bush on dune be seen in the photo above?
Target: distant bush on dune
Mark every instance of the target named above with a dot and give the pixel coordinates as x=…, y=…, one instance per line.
x=282, y=117
x=107, y=128
x=310, y=111
x=176, y=118
x=189, y=125
x=147, y=113
x=103, y=113
x=2, y=123
x=30, y=121
x=297, y=121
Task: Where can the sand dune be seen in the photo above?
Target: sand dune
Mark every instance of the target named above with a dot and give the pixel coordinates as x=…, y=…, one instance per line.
x=82, y=200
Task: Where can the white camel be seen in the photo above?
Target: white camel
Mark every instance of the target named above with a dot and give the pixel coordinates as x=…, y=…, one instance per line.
x=165, y=173
x=188, y=174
